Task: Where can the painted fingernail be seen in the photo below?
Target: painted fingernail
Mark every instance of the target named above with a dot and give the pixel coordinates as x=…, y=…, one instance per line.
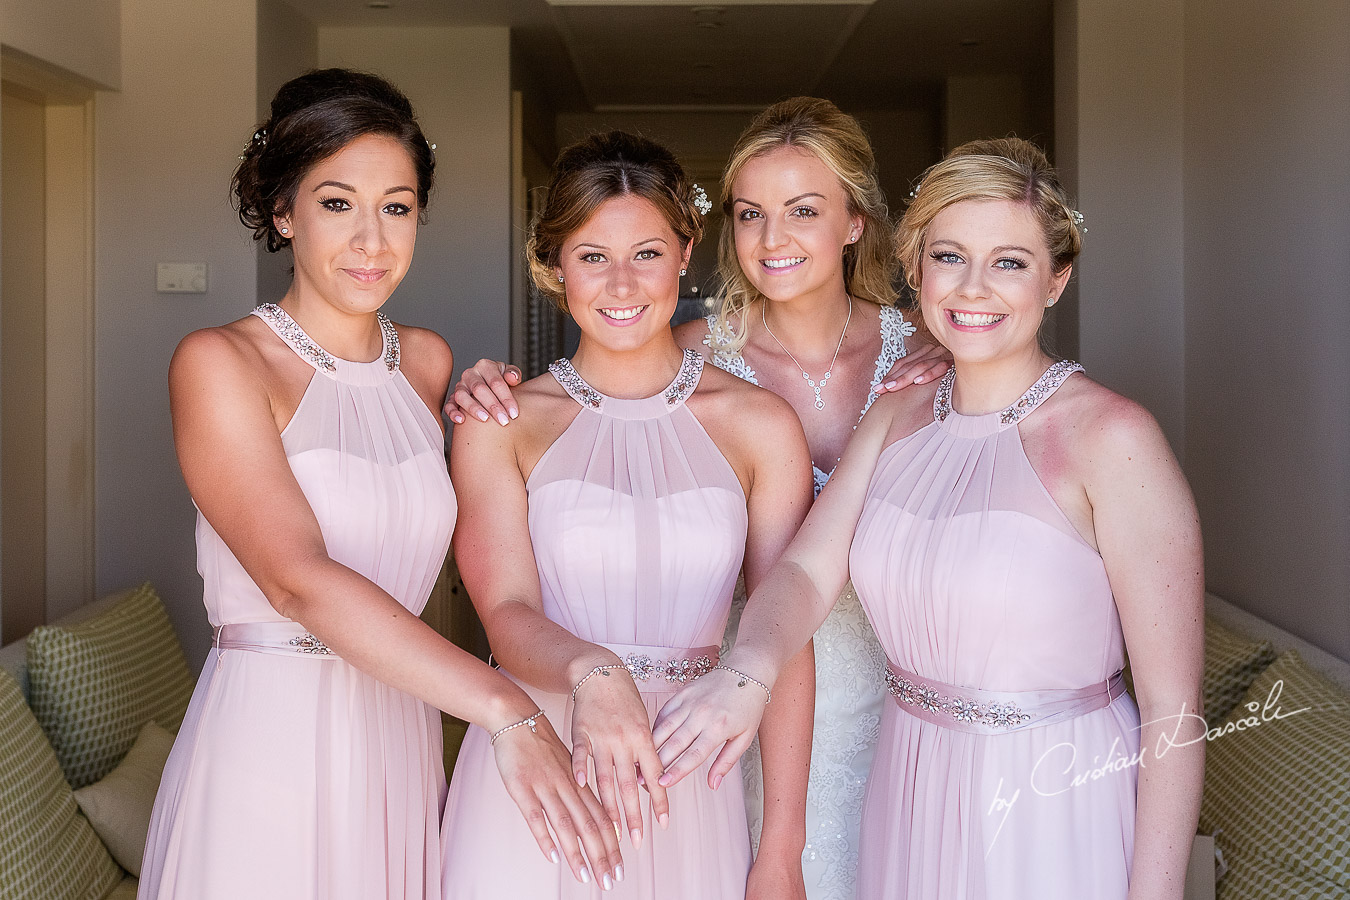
x=663, y=820
x=581, y=778
x=890, y=385
x=514, y=412
x=553, y=855
x=482, y=415
x=607, y=882
x=717, y=782
x=636, y=835
x=502, y=418
x=585, y=876
x=664, y=781
x=918, y=379
x=618, y=872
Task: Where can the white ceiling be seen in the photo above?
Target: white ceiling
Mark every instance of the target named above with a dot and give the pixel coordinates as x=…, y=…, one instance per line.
x=609, y=54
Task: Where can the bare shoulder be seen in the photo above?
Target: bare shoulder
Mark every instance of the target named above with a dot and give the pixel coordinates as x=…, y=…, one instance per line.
x=425, y=359
x=1100, y=427
x=226, y=354
x=727, y=397
x=900, y=414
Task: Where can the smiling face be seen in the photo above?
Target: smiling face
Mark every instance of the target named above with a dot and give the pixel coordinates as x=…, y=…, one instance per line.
x=354, y=223
x=987, y=277
x=791, y=221
x=621, y=271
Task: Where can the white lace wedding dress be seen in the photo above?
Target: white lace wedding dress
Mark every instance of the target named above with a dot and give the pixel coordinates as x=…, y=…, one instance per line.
x=849, y=686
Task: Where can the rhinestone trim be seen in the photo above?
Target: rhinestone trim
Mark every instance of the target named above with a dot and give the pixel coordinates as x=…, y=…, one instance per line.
x=686, y=379
x=962, y=709
x=291, y=332
x=691, y=369
x=308, y=643
x=644, y=668
x=575, y=386
x=1035, y=395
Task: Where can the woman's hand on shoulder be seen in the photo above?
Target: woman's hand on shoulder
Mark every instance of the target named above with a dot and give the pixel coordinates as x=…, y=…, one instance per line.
x=484, y=392
x=925, y=363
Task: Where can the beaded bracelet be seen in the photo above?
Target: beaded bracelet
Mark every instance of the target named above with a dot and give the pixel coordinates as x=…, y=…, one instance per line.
x=598, y=670
x=746, y=679
x=528, y=720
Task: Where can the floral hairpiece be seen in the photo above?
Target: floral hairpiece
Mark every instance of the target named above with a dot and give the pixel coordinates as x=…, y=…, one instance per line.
x=1078, y=220
x=257, y=142
x=700, y=200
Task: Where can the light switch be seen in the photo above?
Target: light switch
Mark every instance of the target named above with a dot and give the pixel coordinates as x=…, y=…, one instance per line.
x=180, y=278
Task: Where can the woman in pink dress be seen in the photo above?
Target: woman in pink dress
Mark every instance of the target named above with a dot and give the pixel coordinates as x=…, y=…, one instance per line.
x=1010, y=535
x=602, y=537
x=309, y=764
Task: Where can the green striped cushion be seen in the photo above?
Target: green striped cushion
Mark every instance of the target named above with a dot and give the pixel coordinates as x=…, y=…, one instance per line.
x=95, y=683
x=1232, y=663
x=1277, y=794
x=47, y=849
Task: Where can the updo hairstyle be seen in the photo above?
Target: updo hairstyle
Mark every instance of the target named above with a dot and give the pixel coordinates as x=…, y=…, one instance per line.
x=313, y=117
x=599, y=168
x=1003, y=169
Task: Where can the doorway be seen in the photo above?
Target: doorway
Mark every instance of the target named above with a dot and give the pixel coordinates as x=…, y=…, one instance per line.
x=46, y=347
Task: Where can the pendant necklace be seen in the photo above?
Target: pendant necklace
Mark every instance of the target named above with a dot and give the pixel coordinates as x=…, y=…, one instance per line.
x=820, y=403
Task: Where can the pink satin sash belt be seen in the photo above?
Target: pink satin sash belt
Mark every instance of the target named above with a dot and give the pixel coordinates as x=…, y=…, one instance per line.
x=285, y=638
x=977, y=711
x=664, y=669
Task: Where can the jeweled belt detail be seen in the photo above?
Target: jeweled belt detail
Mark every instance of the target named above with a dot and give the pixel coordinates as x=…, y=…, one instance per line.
x=651, y=665
x=994, y=712
x=286, y=638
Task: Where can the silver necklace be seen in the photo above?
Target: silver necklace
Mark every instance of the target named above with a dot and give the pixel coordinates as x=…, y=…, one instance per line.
x=820, y=403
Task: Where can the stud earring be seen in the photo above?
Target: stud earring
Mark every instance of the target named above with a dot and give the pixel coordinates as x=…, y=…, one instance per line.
x=1050, y=302
x=560, y=279
x=683, y=272
x=285, y=230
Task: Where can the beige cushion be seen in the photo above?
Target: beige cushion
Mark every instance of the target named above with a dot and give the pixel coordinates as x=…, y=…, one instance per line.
x=47, y=849
x=119, y=805
x=95, y=683
x=1277, y=793
x=1232, y=663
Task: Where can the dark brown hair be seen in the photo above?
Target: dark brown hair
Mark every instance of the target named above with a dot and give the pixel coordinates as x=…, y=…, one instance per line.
x=599, y=168
x=313, y=117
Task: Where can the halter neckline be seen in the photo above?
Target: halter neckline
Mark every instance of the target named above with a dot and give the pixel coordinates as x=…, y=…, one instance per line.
x=1010, y=415
x=679, y=390
x=309, y=350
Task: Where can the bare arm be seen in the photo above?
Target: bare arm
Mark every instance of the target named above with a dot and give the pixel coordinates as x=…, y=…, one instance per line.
x=492, y=545
x=1148, y=534
x=236, y=469
x=779, y=498
x=780, y=617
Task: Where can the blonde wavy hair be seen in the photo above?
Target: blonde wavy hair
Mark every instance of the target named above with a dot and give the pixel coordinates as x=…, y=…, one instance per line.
x=837, y=140
x=1002, y=169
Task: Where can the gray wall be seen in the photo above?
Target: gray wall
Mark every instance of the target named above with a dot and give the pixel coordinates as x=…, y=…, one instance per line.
x=1267, y=183
x=162, y=170
x=459, y=80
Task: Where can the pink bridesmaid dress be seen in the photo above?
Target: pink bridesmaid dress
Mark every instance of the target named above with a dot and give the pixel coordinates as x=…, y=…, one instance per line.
x=638, y=525
x=1004, y=765
x=295, y=775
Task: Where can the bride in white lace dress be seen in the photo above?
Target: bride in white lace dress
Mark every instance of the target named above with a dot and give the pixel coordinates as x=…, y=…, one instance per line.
x=808, y=313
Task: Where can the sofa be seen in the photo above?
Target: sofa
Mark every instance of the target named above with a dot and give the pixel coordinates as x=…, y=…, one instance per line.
x=88, y=709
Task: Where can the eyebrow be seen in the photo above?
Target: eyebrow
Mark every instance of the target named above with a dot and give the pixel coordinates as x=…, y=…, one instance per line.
x=603, y=247
x=347, y=187
x=797, y=199
x=1004, y=249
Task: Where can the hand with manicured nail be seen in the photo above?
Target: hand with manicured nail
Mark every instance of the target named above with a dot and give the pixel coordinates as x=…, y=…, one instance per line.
x=484, y=392
x=925, y=362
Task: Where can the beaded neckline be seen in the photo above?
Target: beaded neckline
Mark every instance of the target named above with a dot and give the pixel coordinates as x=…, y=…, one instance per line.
x=1035, y=395
x=686, y=379
x=290, y=331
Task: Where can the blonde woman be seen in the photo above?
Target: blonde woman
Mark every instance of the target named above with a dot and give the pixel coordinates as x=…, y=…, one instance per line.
x=808, y=313
x=1010, y=535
